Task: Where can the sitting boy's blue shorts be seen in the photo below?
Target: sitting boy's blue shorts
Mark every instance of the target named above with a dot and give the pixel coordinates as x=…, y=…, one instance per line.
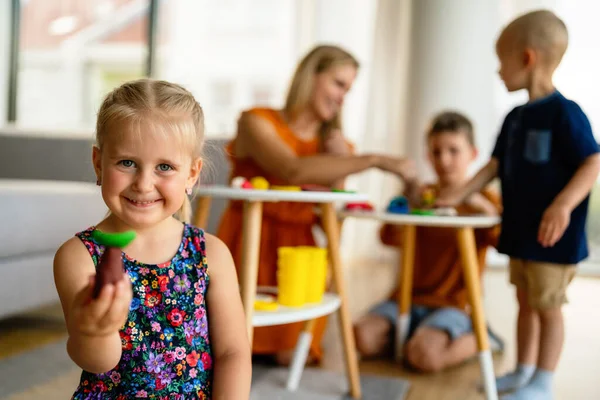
x=451, y=320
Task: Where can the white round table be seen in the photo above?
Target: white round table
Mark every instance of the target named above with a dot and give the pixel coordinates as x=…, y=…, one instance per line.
x=472, y=221
x=466, y=240
x=287, y=315
x=273, y=196
x=251, y=230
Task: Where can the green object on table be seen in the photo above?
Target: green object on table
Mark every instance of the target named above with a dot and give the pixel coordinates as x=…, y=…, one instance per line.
x=343, y=191
x=120, y=240
x=422, y=212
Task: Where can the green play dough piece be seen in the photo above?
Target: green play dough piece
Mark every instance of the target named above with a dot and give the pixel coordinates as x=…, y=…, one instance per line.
x=422, y=212
x=119, y=240
x=342, y=191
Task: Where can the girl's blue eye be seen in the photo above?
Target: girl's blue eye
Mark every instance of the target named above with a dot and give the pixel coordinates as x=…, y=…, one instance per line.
x=127, y=163
x=164, y=167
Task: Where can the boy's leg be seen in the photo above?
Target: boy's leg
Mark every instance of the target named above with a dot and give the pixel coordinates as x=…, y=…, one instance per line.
x=527, y=333
x=548, y=283
x=374, y=331
x=442, y=340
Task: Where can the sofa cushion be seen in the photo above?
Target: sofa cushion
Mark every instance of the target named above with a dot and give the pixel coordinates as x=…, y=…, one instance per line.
x=38, y=216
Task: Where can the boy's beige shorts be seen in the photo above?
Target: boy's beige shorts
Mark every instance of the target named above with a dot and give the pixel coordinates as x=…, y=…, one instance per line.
x=545, y=283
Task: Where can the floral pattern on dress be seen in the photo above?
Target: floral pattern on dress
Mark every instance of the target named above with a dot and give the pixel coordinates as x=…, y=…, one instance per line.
x=166, y=352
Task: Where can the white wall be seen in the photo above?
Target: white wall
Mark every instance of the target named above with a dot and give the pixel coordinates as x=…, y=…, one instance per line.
x=453, y=64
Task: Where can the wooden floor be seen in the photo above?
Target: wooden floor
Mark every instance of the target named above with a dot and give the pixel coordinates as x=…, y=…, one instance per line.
x=578, y=377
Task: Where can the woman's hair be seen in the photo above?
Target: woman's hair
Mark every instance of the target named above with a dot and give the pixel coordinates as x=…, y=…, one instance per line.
x=319, y=59
x=451, y=121
x=172, y=111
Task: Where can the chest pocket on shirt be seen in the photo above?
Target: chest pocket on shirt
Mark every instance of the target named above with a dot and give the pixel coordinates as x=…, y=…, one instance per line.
x=537, y=146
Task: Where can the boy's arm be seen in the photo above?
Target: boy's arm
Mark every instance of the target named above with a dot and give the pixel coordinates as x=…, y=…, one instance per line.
x=94, y=343
x=579, y=148
x=482, y=204
x=413, y=190
x=476, y=184
x=230, y=345
x=581, y=184
x=490, y=236
x=557, y=216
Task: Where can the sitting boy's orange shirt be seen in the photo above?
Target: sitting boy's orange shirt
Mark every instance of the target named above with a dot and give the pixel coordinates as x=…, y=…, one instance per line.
x=438, y=277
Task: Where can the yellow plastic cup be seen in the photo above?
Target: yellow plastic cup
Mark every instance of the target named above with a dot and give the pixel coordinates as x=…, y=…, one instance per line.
x=291, y=276
x=316, y=274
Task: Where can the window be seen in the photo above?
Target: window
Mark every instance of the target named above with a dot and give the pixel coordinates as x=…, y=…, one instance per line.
x=72, y=53
x=225, y=52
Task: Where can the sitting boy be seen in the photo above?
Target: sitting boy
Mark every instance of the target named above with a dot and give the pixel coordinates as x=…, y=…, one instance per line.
x=440, y=334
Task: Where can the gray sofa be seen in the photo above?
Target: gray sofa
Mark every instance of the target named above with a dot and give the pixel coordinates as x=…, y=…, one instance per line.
x=48, y=193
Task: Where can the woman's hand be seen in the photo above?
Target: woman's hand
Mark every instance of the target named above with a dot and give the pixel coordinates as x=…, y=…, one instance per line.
x=405, y=168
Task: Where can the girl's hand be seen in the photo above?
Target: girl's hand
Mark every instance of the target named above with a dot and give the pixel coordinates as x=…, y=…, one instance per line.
x=336, y=144
x=104, y=315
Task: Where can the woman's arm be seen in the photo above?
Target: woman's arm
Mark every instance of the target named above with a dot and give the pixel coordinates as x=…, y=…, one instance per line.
x=260, y=141
x=226, y=322
x=336, y=144
x=93, y=325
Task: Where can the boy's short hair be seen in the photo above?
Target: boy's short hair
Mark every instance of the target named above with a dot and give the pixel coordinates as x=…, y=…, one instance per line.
x=451, y=121
x=541, y=30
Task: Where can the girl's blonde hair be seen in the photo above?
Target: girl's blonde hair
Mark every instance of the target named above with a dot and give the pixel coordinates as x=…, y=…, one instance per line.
x=171, y=110
x=318, y=60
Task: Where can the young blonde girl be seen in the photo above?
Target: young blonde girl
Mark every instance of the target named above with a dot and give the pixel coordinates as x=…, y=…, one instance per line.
x=172, y=327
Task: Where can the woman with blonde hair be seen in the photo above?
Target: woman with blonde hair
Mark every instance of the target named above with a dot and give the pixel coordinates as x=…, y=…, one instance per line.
x=302, y=143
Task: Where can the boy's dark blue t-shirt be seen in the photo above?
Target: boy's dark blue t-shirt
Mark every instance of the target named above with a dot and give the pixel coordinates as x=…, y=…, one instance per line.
x=539, y=149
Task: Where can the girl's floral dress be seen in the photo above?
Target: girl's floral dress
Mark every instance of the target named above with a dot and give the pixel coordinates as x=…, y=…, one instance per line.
x=166, y=347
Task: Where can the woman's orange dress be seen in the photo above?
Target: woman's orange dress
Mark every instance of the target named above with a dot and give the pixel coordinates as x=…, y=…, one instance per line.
x=283, y=224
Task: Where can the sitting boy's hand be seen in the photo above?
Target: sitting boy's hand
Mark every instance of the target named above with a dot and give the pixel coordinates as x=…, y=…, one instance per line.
x=104, y=315
x=447, y=198
x=554, y=222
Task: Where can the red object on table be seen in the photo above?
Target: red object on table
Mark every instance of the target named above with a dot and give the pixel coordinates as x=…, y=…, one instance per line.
x=359, y=207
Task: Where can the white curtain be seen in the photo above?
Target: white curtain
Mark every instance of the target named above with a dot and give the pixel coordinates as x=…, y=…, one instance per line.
x=384, y=128
x=378, y=34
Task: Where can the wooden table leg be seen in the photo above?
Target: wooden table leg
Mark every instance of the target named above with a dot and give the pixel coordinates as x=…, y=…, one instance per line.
x=251, y=227
x=468, y=253
x=331, y=226
x=405, y=282
x=201, y=212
